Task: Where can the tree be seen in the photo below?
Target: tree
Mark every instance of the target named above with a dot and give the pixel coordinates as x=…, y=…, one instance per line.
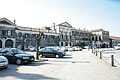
x=38, y=43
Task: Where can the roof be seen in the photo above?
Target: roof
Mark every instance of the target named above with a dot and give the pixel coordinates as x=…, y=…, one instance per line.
x=97, y=30
x=27, y=28
x=114, y=38
x=35, y=29
x=46, y=28
x=6, y=21
x=65, y=24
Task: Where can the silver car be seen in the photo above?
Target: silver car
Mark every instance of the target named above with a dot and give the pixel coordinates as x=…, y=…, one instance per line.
x=3, y=62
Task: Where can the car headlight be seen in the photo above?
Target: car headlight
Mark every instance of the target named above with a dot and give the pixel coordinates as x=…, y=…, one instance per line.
x=26, y=58
x=32, y=58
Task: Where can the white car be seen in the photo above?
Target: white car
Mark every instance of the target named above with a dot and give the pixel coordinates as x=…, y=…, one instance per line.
x=32, y=49
x=77, y=48
x=117, y=47
x=63, y=48
x=69, y=48
x=3, y=62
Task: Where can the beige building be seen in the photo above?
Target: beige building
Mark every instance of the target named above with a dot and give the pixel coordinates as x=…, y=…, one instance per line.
x=62, y=34
x=7, y=33
x=22, y=37
x=114, y=41
x=81, y=37
x=65, y=34
x=100, y=38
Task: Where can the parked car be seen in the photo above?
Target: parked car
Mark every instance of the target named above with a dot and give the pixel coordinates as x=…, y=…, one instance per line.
x=3, y=62
x=52, y=52
x=77, y=48
x=17, y=56
x=32, y=49
x=117, y=47
x=69, y=48
x=64, y=48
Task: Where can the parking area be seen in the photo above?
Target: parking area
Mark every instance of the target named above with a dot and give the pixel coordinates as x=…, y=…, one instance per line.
x=36, y=70
x=76, y=65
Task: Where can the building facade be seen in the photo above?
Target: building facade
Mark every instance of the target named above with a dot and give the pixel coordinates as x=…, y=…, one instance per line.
x=21, y=37
x=62, y=34
x=114, y=41
x=7, y=33
x=81, y=37
x=100, y=38
x=26, y=37
x=65, y=34
x=50, y=38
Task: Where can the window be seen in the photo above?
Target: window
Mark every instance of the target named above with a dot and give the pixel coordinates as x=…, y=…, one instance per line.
x=61, y=43
x=66, y=36
x=9, y=33
x=70, y=37
x=19, y=34
x=70, y=44
x=49, y=50
x=4, y=32
x=61, y=36
x=66, y=44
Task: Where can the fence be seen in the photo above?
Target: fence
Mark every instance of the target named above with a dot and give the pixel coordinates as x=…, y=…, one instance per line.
x=109, y=55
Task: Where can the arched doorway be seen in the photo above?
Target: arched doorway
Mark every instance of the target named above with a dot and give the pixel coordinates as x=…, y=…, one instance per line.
x=0, y=44
x=9, y=43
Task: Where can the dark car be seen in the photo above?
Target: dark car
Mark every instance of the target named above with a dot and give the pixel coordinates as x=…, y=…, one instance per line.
x=52, y=52
x=17, y=56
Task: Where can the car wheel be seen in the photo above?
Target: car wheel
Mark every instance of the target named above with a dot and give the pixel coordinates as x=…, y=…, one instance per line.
x=41, y=55
x=57, y=56
x=6, y=67
x=18, y=61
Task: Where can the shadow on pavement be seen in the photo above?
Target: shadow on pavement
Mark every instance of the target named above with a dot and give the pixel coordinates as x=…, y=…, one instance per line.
x=36, y=63
x=13, y=72
x=67, y=57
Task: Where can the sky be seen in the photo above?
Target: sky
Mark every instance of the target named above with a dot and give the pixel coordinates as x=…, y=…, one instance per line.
x=88, y=14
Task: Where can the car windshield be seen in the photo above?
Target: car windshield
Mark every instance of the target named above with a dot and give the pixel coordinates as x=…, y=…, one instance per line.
x=4, y=50
x=18, y=51
x=56, y=49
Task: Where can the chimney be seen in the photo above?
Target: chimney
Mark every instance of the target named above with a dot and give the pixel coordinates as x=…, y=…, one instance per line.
x=54, y=27
x=14, y=21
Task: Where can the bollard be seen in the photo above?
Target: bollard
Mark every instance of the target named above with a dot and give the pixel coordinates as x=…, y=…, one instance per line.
x=92, y=50
x=96, y=52
x=100, y=54
x=112, y=60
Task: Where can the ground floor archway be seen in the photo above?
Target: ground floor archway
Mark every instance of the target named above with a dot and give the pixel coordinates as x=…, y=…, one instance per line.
x=9, y=43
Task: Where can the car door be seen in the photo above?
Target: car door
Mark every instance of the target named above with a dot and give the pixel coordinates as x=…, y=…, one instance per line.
x=43, y=51
x=9, y=55
x=46, y=52
x=50, y=52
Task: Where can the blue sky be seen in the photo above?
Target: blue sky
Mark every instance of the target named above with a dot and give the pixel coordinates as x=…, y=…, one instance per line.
x=89, y=14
